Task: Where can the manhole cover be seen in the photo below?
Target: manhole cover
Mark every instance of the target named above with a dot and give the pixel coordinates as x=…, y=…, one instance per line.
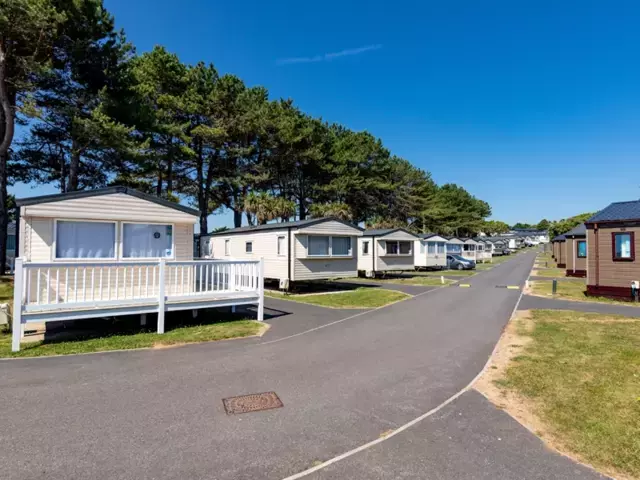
x=252, y=403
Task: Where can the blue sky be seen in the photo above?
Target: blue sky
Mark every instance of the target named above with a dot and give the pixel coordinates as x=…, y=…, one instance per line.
x=531, y=106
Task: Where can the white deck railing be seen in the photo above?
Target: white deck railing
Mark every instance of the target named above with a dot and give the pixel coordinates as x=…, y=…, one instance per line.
x=61, y=286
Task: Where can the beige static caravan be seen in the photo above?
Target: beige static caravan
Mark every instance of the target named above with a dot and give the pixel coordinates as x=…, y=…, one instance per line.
x=304, y=250
x=385, y=250
x=116, y=251
x=430, y=251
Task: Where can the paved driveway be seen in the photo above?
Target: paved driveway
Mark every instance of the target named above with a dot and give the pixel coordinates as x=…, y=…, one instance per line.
x=159, y=414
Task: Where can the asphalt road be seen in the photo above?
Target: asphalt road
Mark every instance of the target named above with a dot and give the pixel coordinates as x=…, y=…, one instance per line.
x=158, y=414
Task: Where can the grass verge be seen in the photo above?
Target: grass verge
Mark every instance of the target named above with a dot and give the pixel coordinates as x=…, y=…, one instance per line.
x=6, y=289
x=417, y=280
x=455, y=273
x=365, y=297
x=573, y=378
x=571, y=290
x=124, y=336
x=549, y=272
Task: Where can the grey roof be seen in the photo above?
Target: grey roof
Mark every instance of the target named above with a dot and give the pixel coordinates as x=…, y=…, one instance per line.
x=559, y=238
x=282, y=225
x=58, y=197
x=578, y=231
x=618, y=211
x=425, y=236
x=381, y=232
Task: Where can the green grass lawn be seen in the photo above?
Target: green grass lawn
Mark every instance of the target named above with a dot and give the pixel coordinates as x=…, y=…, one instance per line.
x=572, y=290
x=6, y=289
x=457, y=273
x=550, y=272
x=123, y=335
x=364, y=297
x=418, y=280
x=581, y=374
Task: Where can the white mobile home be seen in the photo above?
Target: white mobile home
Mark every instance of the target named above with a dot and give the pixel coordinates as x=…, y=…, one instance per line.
x=484, y=250
x=386, y=250
x=470, y=249
x=430, y=251
x=116, y=251
x=454, y=246
x=314, y=249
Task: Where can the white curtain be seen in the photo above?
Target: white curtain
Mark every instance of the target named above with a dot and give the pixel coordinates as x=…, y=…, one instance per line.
x=141, y=240
x=85, y=239
x=431, y=248
x=318, y=245
x=340, y=245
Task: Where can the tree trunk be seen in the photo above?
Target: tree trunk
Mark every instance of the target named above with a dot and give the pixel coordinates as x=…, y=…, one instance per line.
x=249, y=218
x=4, y=213
x=169, y=175
x=159, y=186
x=63, y=174
x=7, y=128
x=74, y=165
x=237, y=217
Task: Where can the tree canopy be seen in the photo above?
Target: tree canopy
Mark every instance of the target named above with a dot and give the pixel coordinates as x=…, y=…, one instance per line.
x=99, y=114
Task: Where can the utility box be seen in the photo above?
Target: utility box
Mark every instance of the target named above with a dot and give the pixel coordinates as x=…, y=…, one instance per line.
x=4, y=314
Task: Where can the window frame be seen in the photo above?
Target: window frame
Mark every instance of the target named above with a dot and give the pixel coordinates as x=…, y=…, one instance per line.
x=54, y=246
x=248, y=243
x=143, y=259
x=397, y=242
x=365, y=247
x=227, y=243
x=278, y=249
x=330, y=253
x=632, y=249
x=578, y=242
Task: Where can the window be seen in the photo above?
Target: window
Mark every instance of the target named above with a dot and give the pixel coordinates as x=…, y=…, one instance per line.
x=340, y=246
x=469, y=248
x=623, y=246
x=281, y=245
x=431, y=248
x=227, y=247
x=441, y=247
x=11, y=242
x=454, y=248
x=142, y=240
x=318, y=245
x=248, y=247
x=365, y=248
x=398, y=248
x=85, y=239
x=582, y=249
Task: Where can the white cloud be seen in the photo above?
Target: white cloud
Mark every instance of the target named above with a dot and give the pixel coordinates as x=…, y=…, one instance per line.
x=327, y=57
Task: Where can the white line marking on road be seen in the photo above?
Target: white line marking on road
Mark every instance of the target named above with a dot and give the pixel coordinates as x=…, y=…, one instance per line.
x=410, y=424
x=349, y=317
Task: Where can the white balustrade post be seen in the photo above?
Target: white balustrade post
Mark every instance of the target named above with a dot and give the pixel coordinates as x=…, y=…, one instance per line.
x=261, y=290
x=161, y=294
x=233, y=270
x=16, y=326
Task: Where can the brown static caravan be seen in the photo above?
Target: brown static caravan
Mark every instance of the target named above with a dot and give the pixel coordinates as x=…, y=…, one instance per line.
x=560, y=251
x=613, y=237
x=576, y=247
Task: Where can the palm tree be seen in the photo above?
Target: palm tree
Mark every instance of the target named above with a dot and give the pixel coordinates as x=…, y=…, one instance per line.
x=332, y=209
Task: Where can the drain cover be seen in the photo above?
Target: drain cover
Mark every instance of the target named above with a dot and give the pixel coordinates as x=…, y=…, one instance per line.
x=252, y=403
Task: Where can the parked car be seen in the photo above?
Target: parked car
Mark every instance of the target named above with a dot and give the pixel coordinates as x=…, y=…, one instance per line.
x=506, y=251
x=456, y=262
